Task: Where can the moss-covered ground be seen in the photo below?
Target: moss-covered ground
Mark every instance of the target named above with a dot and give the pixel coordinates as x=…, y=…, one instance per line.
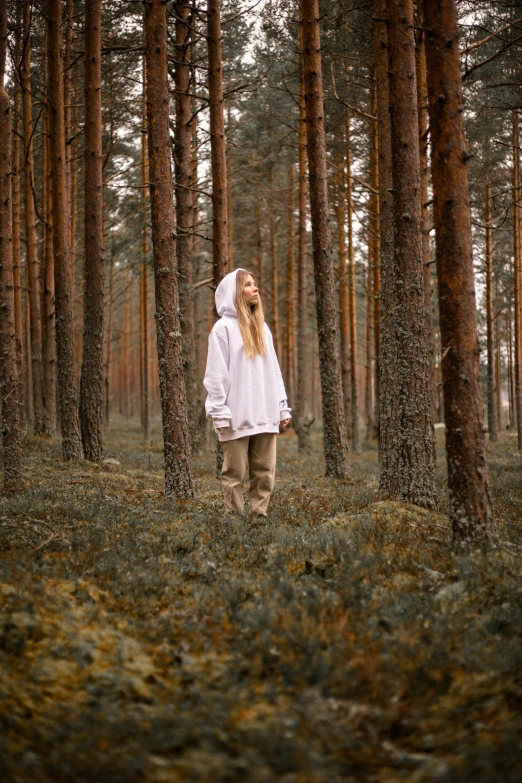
x=345, y=640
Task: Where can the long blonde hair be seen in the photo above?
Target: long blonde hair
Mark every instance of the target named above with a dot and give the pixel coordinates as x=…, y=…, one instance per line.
x=251, y=319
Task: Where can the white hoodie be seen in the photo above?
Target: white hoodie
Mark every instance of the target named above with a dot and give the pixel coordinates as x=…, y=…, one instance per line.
x=247, y=395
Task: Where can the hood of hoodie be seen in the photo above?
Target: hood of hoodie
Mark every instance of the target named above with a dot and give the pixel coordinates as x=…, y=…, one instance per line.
x=226, y=294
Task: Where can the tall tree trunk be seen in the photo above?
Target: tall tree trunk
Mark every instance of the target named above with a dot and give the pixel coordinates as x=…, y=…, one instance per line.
x=184, y=209
x=144, y=276
x=217, y=144
x=517, y=263
x=498, y=377
x=176, y=443
x=17, y=255
x=422, y=100
x=356, y=437
x=376, y=261
x=471, y=512
x=91, y=382
x=276, y=328
x=511, y=379
x=290, y=287
x=388, y=419
x=31, y=257
x=108, y=354
x=368, y=386
x=9, y=403
x=335, y=445
x=414, y=444
x=230, y=209
x=490, y=329
x=67, y=388
x=49, y=330
x=344, y=294
x=302, y=419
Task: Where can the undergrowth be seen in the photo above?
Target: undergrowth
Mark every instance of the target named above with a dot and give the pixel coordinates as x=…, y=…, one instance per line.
x=344, y=640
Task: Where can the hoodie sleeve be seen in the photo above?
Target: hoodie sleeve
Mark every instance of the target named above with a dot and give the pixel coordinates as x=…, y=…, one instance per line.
x=217, y=379
x=284, y=411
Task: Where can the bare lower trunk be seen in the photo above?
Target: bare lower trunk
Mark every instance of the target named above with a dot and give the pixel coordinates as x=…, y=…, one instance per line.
x=67, y=389
x=388, y=420
x=490, y=329
x=302, y=420
x=470, y=503
x=517, y=263
x=356, y=437
x=176, y=443
x=184, y=210
x=17, y=256
x=9, y=403
x=289, y=353
x=49, y=322
x=414, y=443
x=376, y=261
x=344, y=296
x=31, y=257
x=144, y=277
x=335, y=445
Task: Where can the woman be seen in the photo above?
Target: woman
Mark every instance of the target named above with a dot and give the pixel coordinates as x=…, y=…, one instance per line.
x=246, y=394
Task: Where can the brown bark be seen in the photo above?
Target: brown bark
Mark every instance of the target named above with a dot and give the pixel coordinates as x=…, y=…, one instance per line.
x=108, y=354
x=184, y=213
x=517, y=264
x=368, y=385
x=274, y=288
x=17, y=256
x=144, y=277
x=11, y=429
x=344, y=294
x=301, y=419
x=376, y=263
x=289, y=352
x=230, y=208
x=511, y=379
x=49, y=323
x=217, y=143
x=176, y=443
x=414, y=440
x=31, y=256
x=335, y=445
x=67, y=388
x=388, y=420
x=356, y=437
x=91, y=382
x=67, y=84
x=490, y=326
x=471, y=513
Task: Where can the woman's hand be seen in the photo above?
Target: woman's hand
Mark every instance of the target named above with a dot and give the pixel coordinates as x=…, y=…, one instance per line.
x=285, y=423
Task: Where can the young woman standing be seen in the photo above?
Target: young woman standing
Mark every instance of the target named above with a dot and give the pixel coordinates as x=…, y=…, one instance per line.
x=246, y=394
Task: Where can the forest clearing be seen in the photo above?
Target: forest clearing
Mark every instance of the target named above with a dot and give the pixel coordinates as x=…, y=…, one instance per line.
x=343, y=640
x=260, y=391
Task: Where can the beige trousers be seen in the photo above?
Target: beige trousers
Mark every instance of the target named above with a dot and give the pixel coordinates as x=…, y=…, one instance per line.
x=260, y=453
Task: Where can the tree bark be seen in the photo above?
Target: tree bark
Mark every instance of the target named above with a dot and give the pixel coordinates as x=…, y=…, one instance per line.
x=490, y=325
x=388, y=420
x=276, y=329
x=17, y=256
x=471, y=514
x=9, y=403
x=414, y=441
x=290, y=287
x=356, y=436
x=344, y=293
x=176, y=443
x=217, y=144
x=184, y=212
x=335, y=445
x=144, y=276
x=31, y=256
x=517, y=264
x=376, y=261
x=49, y=322
x=301, y=419
x=67, y=388
x=91, y=381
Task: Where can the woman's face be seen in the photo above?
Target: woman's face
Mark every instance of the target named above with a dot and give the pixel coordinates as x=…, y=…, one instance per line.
x=250, y=291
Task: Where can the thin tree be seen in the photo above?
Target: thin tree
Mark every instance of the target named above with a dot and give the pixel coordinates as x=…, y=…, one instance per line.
x=144, y=276
x=176, y=443
x=31, y=255
x=344, y=291
x=356, y=438
x=302, y=419
x=91, y=381
x=67, y=387
x=490, y=322
x=388, y=349
x=517, y=269
x=471, y=514
x=17, y=256
x=9, y=402
x=414, y=440
x=335, y=445
x=184, y=209
x=217, y=144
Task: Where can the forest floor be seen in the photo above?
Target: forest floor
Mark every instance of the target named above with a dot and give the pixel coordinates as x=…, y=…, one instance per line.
x=344, y=640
